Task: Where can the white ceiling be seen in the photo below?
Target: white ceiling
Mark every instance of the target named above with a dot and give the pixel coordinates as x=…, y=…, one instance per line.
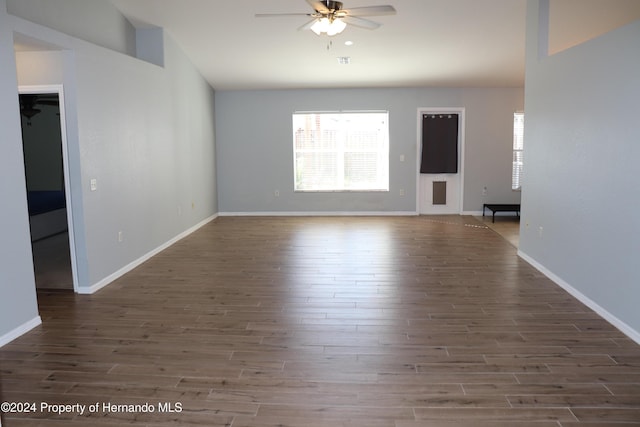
x=478, y=43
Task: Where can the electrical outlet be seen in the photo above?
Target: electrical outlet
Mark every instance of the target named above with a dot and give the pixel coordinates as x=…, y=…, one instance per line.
x=120, y=237
x=93, y=184
x=402, y=191
x=276, y=193
x=402, y=157
x=484, y=191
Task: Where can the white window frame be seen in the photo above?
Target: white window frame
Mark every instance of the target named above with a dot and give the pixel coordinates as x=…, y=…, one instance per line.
x=517, y=165
x=339, y=147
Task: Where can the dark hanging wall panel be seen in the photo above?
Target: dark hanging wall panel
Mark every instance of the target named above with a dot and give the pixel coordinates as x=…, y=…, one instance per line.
x=439, y=143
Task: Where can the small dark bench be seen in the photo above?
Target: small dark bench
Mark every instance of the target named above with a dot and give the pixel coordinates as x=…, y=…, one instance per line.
x=500, y=208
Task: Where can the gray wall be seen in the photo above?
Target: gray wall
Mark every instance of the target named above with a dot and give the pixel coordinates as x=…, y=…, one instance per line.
x=18, y=305
x=581, y=153
x=96, y=21
x=146, y=133
x=147, y=137
x=254, y=143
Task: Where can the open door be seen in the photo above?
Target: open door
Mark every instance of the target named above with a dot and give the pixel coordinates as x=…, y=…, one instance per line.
x=48, y=190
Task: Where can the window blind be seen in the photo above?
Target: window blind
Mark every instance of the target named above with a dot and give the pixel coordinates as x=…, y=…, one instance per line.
x=346, y=151
x=518, y=147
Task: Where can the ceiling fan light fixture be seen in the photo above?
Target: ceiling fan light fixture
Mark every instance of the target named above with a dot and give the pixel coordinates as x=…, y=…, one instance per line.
x=320, y=26
x=330, y=27
x=336, y=27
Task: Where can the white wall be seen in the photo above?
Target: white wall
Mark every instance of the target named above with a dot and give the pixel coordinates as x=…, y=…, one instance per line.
x=581, y=157
x=146, y=133
x=254, y=142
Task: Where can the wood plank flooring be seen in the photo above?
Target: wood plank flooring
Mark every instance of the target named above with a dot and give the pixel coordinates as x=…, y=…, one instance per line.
x=324, y=322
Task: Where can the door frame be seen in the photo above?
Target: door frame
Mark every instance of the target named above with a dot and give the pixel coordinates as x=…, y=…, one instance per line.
x=59, y=90
x=460, y=111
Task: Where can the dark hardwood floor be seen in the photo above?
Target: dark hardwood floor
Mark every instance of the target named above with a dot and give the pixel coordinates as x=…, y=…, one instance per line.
x=324, y=322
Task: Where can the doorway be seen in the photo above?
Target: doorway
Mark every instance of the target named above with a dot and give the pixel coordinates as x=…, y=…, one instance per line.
x=440, y=191
x=48, y=194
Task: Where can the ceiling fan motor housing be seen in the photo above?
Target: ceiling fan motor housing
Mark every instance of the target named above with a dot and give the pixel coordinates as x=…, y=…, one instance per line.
x=333, y=5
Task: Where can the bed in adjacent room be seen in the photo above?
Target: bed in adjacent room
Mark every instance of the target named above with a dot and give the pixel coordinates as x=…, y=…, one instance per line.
x=47, y=213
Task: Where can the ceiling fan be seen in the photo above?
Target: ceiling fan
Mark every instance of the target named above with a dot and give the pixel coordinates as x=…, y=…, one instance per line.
x=329, y=16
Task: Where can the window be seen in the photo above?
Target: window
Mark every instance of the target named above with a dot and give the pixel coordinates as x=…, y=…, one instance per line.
x=518, y=146
x=346, y=151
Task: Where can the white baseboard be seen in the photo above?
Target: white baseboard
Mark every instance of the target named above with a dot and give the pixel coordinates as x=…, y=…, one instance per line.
x=127, y=268
x=321, y=213
x=619, y=324
x=20, y=330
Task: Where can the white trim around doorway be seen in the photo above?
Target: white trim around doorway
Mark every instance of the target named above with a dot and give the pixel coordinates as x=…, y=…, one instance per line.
x=59, y=90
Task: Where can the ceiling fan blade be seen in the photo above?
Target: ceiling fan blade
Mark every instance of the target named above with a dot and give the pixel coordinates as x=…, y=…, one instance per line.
x=361, y=22
x=276, y=15
x=318, y=6
x=370, y=11
x=308, y=25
